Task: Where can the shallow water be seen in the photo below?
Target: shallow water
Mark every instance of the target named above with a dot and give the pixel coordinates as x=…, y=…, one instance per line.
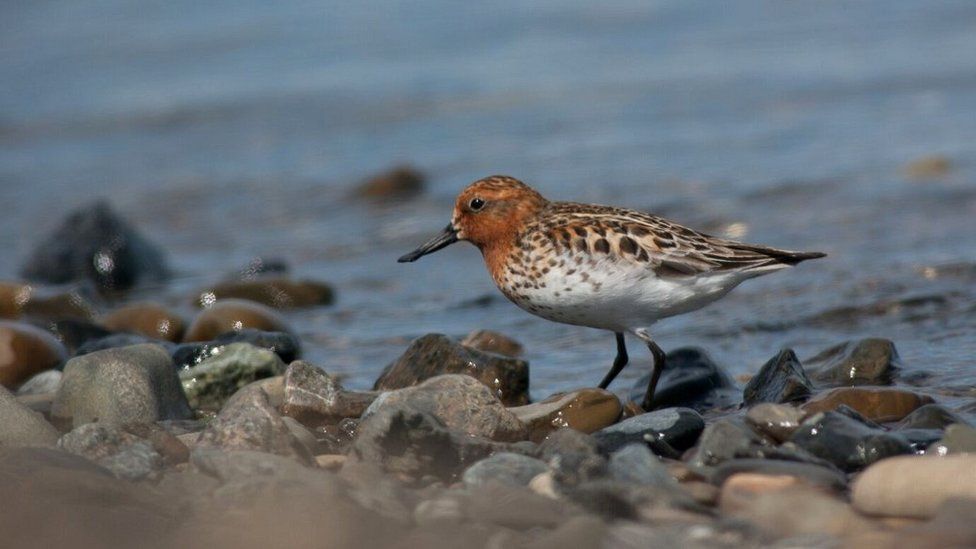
x=226, y=131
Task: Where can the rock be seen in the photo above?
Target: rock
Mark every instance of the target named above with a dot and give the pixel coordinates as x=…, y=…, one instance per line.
x=42, y=383
x=460, y=402
x=315, y=398
x=585, y=410
x=210, y=383
x=126, y=455
x=845, y=442
x=880, y=404
x=399, y=182
x=435, y=354
x=679, y=428
x=233, y=315
x=928, y=167
x=522, y=509
x=26, y=351
x=505, y=468
x=147, y=318
x=13, y=295
x=781, y=379
x=283, y=344
x=930, y=416
x=44, y=304
x=634, y=464
x=20, y=426
x=274, y=291
x=778, y=421
x=249, y=421
x=721, y=441
x=134, y=384
x=261, y=266
x=573, y=457
x=114, y=341
x=493, y=342
x=958, y=439
x=438, y=511
x=93, y=243
x=331, y=462
x=415, y=444
x=914, y=486
x=75, y=333
x=814, y=475
x=871, y=361
x=172, y=450
x=690, y=379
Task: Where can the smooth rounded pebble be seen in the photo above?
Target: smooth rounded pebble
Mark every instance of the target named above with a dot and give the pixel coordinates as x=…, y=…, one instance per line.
x=913, y=486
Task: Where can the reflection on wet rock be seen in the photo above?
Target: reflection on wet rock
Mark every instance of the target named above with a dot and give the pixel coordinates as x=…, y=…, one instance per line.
x=690, y=379
x=585, y=410
x=211, y=382
x=233, y=315
x=94, y=243
x=436, y=354
x=26, y=351
x=781, y=379
x=846, y=442
x=277, y=292
x=871, y=361
x=147, y=318
x=880, y=404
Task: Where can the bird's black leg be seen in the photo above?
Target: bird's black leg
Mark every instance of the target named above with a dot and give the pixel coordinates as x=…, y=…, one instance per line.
x=618, y=363
x=659, y=358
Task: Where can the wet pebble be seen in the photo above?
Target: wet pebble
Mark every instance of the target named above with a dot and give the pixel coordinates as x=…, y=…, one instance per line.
x=880, y=404
x=461, y=403
x=493, y=342
x=26, y=351
x=283, y=344
x=211, y=382
x=781, y=379
x=21, y=426
x=778, y=421
x=46, y=303
x=814, y=475
x=233, y=315
x=846, y=442
x=436, y=354
x=724, y=440
x=94, y=243
x=315, y=398
x=930, y=416
x=679, y=428
x=690, y=379
x=134, y=384
x=274, y=291
x=147, y=318
x=504, y=468
x=585, y=410
x=635, y=465
x=914, y=486
x=871, y=361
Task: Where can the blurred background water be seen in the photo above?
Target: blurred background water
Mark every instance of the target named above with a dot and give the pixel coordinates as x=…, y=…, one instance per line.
x=229, y=130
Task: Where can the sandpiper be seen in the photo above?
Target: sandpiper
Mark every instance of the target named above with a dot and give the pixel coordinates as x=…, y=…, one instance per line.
x=599, y=266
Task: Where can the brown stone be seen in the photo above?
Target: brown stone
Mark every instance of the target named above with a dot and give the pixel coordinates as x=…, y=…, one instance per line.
x=881, y=404
x=331, y=462
x=741, y=488
x=493, y=342
x=914, y=486
x=149, y=319
x=50, y=304
x=233, y=315
x=25, y=351
x=274, y=291
x=928, y=167
x=585, y=410
x=315, y=398
x=13, y=295
x=167, y=445
x=398, y=182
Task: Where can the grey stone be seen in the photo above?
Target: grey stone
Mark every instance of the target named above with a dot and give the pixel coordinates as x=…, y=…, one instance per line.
x=21, y=426
x=461, y=403
x=778, y=421
x=572, y=456
x=930, y=416
x=690, y=378
x=818, y=475
x=635, y=464
x=315, y=398
x=436, y=354
x=724, y=440
x=871, y=361
x=124, y=454
x=211, y=382
x=504, y=468
x=846, y=442
x=134, y=384
x=44, y=382
x=958, y=439
x=781, y=379
x=679, y=428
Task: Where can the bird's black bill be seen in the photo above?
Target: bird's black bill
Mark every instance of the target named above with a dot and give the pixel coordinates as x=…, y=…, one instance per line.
x=446, y=238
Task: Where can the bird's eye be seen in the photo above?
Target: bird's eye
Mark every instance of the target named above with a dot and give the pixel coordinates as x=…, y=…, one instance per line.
x=477, y=203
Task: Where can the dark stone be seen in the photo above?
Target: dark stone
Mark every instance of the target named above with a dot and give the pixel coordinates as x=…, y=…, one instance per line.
x=634, y=464
x=75, y=333
x=724, y=440
x=847, y=443
x=315, y=398
x=260, y=266
x=690, y=378
x=781, y=379
x=504, y=468
x=25, y=351
x=399, y=182
x=881, y=404
x=679, y=428
x=436, y=354
x=828, y=477
x=94, y=243
x=234, y=315
x=416, y=444
x=921, y=439
x=493, y=342
x=285, y=345
x=930, y=416
x=211, y=382
x=573, y=457
x=871, y=361
x=113, y=341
